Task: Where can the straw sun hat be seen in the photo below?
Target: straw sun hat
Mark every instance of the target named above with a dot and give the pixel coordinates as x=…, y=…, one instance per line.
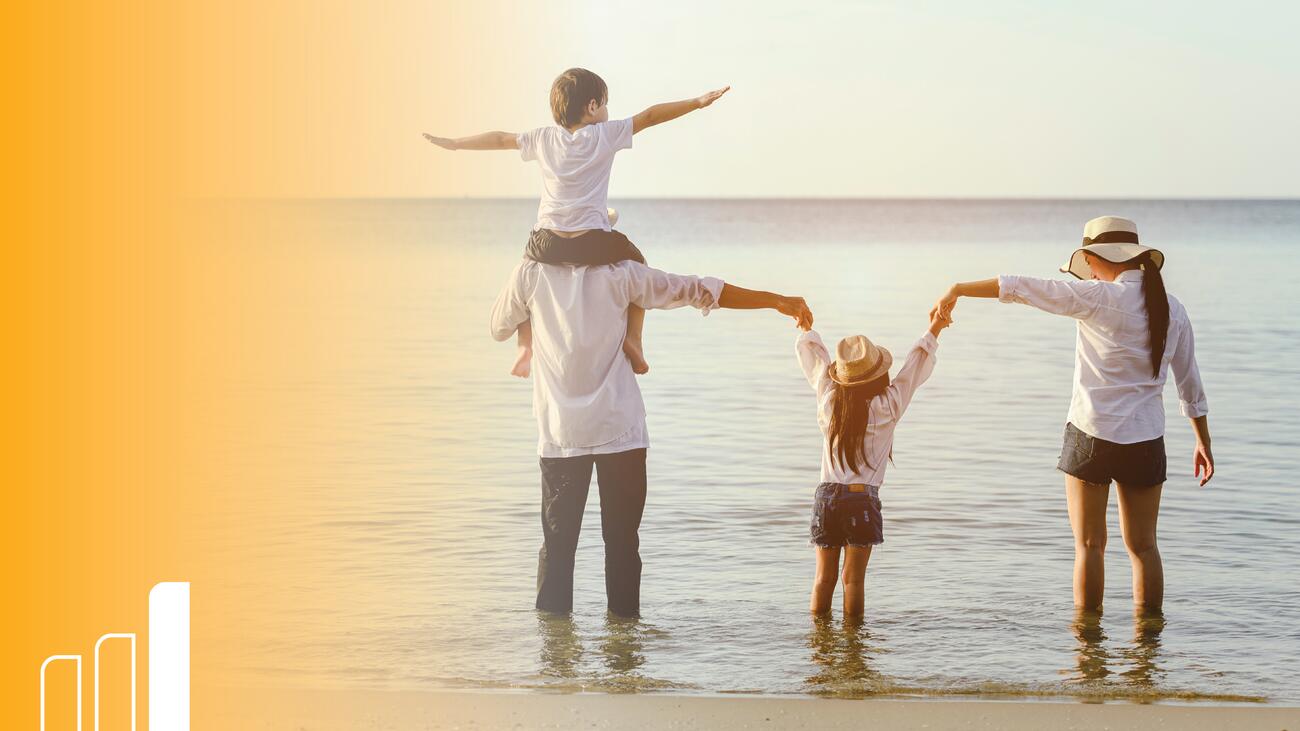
x=1112, y=238
x=858, y=361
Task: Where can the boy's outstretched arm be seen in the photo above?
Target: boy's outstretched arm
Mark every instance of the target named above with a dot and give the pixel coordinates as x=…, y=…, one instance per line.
x=660, y=113
x=485, y=141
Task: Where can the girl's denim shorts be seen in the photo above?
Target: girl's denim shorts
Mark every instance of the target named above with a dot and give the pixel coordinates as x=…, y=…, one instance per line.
x=846, y=515
x=1096, y=460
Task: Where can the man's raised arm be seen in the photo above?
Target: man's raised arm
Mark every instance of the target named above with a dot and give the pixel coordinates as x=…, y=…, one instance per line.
x=653, y=289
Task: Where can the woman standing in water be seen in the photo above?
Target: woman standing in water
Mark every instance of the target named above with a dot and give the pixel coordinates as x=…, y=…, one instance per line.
x=1131, y=336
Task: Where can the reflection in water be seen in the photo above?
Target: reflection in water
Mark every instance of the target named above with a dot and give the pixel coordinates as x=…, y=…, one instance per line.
x=561, y=646
x=620, y=649
x=622, y=644
x=1095, y=661
x=843, y=652
x=1092, y=658
x=1142, y=655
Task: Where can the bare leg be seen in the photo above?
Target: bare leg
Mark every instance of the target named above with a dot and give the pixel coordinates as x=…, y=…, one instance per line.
x=854, y=576
x=1138, y=509
x=632, y=341
x=523, y=362
x=828, y=565
x=1087, y=505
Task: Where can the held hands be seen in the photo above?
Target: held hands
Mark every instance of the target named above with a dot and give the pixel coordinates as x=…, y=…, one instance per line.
x=704, y=101
x=795, y=307
x=443, y=142
x=1203, y=461
x=946, y=304
x=939, y=320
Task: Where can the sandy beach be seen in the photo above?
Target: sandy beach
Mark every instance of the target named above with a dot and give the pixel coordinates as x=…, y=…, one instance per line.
x=485, y=711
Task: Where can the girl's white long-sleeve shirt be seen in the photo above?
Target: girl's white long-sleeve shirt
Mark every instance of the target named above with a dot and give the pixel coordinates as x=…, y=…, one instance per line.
x=886, y=409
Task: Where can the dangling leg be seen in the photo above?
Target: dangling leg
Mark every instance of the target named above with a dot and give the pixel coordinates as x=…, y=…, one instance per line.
x=523, y=362
x=632, y=341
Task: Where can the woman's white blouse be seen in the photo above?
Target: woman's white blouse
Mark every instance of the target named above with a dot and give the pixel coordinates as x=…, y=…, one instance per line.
x=1116, y=396
x=886, y=409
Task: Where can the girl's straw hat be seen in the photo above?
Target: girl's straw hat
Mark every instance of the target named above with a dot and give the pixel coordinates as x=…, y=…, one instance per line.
x=858, y=360
x=1112, y=238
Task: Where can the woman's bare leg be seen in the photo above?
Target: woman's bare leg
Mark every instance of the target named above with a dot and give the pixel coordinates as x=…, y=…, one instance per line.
x=523, y=362
x=632, y=341
x=1087, y=505
x=854, y=576
x=1138, y=509
x=823, y=591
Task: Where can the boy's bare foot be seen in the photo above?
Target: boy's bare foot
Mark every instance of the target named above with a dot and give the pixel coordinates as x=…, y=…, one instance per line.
x=633, y=352
x=523, y=364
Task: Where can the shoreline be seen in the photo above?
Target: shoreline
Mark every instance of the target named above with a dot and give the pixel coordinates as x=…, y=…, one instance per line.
x=328, y=710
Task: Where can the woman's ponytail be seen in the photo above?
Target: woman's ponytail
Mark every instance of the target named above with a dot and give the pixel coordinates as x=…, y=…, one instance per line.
x=1153, y=290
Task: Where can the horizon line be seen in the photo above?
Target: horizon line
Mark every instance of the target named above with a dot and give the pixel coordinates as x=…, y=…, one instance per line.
x=809, y=199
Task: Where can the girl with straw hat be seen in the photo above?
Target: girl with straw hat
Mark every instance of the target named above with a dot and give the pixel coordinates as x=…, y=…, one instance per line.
x=1131, y=336
x=858, y=407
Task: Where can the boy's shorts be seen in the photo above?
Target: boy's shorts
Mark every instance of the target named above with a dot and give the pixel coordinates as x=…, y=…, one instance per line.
x=590, y=249
x=846, y=514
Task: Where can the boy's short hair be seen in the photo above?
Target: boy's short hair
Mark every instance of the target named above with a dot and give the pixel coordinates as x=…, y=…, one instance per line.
x=571, y=92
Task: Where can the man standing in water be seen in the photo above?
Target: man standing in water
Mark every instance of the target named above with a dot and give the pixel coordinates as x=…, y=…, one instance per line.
x=589, y=407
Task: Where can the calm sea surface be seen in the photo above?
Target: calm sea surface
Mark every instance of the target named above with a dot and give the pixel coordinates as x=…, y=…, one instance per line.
x=432, y=518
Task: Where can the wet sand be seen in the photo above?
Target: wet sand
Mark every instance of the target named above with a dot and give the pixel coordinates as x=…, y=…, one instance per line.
x=319, y=710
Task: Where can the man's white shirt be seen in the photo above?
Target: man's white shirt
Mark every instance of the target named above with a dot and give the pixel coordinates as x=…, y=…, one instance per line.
x=585, y=395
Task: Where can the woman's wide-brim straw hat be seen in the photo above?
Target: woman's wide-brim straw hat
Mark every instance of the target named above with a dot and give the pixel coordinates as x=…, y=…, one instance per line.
x=858, y=360
x=1112, y=238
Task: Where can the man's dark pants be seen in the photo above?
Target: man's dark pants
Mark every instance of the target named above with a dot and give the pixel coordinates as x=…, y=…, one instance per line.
x=565, y=481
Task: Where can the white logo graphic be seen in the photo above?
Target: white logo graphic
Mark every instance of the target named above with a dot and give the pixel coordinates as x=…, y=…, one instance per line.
x=169, y=661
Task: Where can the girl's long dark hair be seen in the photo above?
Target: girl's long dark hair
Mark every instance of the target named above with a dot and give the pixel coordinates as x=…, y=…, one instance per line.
x=850, y=415
x=1153, y=290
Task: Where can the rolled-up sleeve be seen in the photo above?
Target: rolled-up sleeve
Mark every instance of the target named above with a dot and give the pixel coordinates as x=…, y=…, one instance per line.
x=1076, y=299
x=653, y=289
x=915, y=371
x=1187, y=376
x=814, y=359
x=511, y=308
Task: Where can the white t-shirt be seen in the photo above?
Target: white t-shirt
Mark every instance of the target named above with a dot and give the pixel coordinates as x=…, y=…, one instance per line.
x=575, y=172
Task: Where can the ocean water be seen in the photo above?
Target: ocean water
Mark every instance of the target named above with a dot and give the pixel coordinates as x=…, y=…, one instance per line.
x=431, y=518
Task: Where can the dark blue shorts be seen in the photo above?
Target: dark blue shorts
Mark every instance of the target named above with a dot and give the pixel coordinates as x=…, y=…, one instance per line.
x=846, y=515
x=1096, y=460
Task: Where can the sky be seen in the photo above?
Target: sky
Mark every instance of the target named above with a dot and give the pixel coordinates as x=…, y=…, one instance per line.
x=846, y=99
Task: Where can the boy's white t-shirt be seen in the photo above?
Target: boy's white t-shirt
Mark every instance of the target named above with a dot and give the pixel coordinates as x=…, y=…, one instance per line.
x=575, y=172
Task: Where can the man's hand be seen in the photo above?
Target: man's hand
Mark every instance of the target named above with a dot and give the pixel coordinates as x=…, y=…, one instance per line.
x=442, y=142
x=798, y=309
x=1203, y=461
x=707, y=99
x=938, y=321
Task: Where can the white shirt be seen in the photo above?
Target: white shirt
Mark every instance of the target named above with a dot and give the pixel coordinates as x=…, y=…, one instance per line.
x=1116, y=397
x=575, y=172
x=884, y=412
x=585, y=396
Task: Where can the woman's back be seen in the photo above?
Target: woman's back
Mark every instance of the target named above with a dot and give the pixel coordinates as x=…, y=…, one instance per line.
x=1117, y=394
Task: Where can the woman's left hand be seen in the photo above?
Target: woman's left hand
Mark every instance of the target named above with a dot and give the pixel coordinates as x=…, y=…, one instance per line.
x=1203, y=461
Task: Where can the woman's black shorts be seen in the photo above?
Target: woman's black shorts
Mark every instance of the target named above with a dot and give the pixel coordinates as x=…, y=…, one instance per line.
x=1096, y=460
